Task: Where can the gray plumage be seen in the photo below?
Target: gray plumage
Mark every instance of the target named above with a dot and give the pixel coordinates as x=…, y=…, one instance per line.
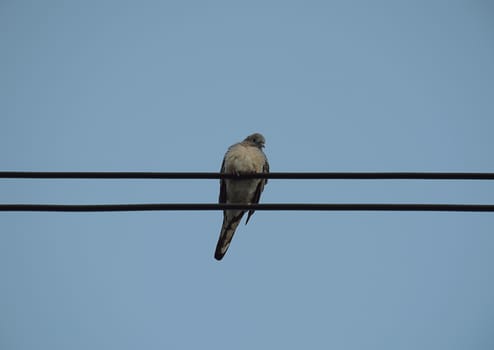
x=243, y=157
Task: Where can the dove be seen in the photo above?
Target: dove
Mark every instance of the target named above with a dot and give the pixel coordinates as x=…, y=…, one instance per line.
x=241, y=158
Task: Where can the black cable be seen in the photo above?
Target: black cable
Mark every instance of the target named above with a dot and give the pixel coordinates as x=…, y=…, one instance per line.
x=274, y=175
x=270, y=206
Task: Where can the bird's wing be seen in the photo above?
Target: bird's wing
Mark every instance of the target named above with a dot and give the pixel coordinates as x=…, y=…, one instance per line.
x=222, y=198
x=260, y=187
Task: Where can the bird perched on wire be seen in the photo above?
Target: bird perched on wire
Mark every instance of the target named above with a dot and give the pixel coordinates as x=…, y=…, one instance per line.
x=245, y=157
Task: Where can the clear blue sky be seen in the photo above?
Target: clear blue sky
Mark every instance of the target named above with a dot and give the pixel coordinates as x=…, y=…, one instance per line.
x=168, y=86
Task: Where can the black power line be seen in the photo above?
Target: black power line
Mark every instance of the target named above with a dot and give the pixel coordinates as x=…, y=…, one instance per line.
x=270, y=206
x=273, y=175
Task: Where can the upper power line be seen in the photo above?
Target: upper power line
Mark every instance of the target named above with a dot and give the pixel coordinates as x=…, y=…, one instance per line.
x=273, y=175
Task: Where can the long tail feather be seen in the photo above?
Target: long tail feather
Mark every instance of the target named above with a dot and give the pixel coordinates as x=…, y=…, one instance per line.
x=230, y=224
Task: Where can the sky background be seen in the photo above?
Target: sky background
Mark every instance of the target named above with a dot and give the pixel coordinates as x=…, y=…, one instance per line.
x=168, y=86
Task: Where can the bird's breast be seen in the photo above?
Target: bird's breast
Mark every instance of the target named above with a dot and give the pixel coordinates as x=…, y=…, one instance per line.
x=244, y=160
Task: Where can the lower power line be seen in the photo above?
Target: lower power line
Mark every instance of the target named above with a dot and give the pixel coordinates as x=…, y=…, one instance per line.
x=269, y=206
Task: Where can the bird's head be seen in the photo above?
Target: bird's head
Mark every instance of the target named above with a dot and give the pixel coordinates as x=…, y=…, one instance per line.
x=256, y=139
